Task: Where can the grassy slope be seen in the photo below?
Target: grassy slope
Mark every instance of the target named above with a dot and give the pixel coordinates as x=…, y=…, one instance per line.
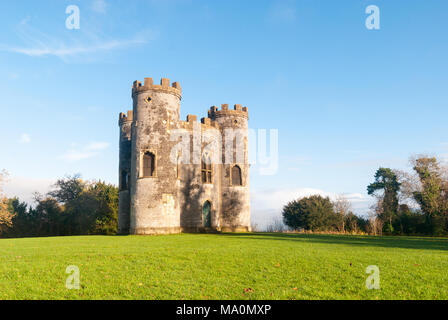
x=206, y=266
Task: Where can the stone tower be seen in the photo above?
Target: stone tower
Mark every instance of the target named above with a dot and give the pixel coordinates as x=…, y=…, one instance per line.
x=124, y=166
x=234, y=129
x=164, y=189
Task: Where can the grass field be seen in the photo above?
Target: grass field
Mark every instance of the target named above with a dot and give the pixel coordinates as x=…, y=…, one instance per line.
x=224, y=266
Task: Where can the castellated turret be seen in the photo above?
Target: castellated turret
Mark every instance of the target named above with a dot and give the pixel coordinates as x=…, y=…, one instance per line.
x=181, y=176
x=124, y=166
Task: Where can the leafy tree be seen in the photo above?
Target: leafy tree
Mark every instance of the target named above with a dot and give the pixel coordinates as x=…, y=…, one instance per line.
x=386, y=188
x=432, y=197
x=105, y=208
x=311, y=213
x=21, y=222
x=47, y=217
x=68, y=189
x=355, y=223
x=410, y=221
x=89, y=207
x=5, y=214
x=73, y=207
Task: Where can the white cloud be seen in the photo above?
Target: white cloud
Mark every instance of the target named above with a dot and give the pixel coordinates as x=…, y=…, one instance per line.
x=23, y=188
x=76, y=155
x=268, y=203
x=25, y=138
x=89, y=151
x=97, y=146
x=99, y=6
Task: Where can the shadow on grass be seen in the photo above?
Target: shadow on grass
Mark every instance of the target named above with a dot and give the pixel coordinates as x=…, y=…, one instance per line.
x=422, y=243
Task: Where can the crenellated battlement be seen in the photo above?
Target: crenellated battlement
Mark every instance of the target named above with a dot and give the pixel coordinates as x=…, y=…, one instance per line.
x=161, y=156
x=206, y=123
x=125, y=118
x=237, y=110
x=164, y=86
x=209, y=123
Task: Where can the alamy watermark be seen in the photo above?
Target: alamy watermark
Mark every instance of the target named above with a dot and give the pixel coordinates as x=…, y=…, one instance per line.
x=72, y=281
x=373, y=20
x=373, y=280
x=73, y=21
x=229, y=146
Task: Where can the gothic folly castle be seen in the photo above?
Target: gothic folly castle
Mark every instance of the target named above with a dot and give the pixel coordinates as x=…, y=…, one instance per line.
x=181, y=176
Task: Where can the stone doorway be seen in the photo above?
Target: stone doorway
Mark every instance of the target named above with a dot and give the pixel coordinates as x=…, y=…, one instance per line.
x=206, y=214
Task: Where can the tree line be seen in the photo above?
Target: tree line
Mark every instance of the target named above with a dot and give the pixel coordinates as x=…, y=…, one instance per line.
x=406, y=203
x=318, y=213
x=73, y=207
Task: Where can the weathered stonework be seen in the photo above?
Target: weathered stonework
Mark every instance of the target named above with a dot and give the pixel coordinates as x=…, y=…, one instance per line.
x=174, y=197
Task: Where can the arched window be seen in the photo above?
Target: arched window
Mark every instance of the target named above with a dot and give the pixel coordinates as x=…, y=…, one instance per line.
x=206, y=169
x=148, y=164
x=206, y=214
x=124, y=185
x=236, y=176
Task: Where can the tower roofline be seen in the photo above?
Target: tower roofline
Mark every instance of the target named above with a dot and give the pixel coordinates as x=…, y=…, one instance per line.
x=238, y=110
x=164, y=86
x=125, y=118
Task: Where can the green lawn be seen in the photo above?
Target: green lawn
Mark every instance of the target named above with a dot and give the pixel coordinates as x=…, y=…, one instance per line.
x=224, y=266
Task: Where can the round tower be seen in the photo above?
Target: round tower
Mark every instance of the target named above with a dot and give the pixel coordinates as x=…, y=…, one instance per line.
x=124, y=170
x=235, y=167
x=154, y=197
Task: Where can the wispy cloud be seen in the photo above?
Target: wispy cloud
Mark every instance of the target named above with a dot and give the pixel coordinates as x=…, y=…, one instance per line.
x=40, y=44
x=89, y=151
x=62, y=50
x=282, y=12
x=97, y=146
x=25, y=138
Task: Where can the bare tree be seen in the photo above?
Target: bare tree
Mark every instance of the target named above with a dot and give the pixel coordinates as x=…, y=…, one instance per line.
x=409, y=184
x=342, y=207
x=254, y=227
x=276, y=225
x=375, y=223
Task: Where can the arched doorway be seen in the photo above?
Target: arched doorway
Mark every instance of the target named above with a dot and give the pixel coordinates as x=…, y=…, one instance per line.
x=206, y=214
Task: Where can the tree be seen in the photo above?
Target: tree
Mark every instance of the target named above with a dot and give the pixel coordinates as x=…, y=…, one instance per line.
x=375, y=225
x=105, y=207
x=5, y=214
x=386, y=188
x=68, y=189
x=342, y=208
x=22, y=224
x=73, y=207
x=432, y=194
x=48, y=218
x=410, y=221
x=310, y=213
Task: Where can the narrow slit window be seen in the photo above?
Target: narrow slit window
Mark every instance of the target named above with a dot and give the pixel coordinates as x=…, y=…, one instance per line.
x=179, y=166
x=124, y=180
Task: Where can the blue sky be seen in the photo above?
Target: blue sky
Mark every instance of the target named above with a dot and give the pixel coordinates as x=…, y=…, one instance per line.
x=345, y=99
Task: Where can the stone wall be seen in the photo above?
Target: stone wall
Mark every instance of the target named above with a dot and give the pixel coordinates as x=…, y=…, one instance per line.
x=171, y=200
